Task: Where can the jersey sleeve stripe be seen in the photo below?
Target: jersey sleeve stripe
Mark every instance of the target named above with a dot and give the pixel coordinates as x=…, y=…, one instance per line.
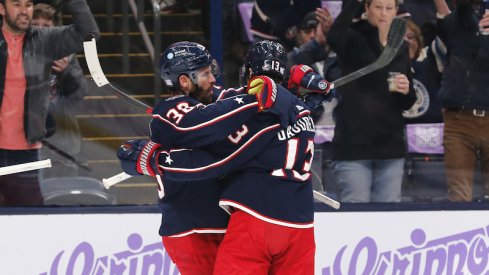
x=207, y=123
x=224, y=160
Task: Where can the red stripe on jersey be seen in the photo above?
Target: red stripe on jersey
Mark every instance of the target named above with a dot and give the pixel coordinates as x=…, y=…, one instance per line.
x=229, y=203
x=199, y=231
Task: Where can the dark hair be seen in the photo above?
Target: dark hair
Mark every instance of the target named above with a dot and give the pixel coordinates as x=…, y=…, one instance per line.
x=397, y=2
x=47, y=12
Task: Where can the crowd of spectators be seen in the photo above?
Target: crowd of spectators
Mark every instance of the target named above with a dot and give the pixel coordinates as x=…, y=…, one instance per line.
x=442, y=75
x=442, y=65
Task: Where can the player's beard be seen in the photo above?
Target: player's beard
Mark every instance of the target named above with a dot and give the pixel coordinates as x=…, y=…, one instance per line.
x=203, y=96
x=15, y=24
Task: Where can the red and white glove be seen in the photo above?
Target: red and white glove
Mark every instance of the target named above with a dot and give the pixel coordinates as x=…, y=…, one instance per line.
x=274, y=99
x=139, y=157
x=265, y=90
x=304, y=76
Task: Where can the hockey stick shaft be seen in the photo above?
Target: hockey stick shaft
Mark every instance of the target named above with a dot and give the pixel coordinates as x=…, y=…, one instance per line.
x=98, y=76
x=326, y=200
x=67, y=156
x=24, y=167
x=395, y=39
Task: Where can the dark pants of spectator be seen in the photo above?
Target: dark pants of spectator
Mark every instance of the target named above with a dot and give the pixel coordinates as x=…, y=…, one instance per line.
x=466, y=140
x=20, y=189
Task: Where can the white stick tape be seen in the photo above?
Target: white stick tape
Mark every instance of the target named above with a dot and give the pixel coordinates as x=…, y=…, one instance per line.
x=115, y=179
x=24, y=167
x=325, y=199
x=93, y=63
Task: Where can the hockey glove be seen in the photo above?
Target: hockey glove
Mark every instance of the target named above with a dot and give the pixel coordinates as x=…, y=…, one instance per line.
x=303, y=76
x=139, y=157
x=265, y=90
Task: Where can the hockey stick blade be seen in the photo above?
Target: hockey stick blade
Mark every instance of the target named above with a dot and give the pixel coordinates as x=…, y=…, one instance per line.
x=326, y=200
x=98, y=76
x=395, y=39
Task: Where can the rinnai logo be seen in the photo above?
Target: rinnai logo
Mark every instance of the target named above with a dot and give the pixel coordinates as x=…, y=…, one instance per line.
x=138, y=259
x=462, y=253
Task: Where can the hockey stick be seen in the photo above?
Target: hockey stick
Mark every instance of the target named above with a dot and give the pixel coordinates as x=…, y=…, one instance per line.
x=93, y=63
x=67, y=156
x=326, y=200
x=395, y=38
x=123, y=176
x=98, y=76
x=24, y=167
x=115, y=179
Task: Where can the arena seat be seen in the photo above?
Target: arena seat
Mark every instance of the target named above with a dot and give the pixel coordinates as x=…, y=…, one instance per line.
x=75, y=191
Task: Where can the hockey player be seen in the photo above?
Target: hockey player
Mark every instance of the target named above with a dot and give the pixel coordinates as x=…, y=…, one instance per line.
x=280, y=172
x=193, y=224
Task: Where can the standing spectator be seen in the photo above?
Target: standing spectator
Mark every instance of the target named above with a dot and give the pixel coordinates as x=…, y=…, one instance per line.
x=306, y=30
x=313, y=50
x=277, y=19
x=427, y=69
x=465, y=92
x=68, y=87
x=369, y=145
x=26, y=57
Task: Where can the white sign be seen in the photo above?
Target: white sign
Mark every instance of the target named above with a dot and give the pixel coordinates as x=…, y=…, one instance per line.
x=417, y=242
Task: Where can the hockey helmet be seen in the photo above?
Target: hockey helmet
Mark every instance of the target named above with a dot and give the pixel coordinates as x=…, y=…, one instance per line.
x=265, y=58
x=185, y=58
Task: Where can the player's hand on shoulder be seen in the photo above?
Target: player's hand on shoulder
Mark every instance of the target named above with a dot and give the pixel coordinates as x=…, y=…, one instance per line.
x=139, y=157
x=265, y=90
x=274, y=98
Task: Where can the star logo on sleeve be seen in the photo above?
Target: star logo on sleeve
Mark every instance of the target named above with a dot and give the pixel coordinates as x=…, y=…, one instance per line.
x=239, y=100
x=168, y=160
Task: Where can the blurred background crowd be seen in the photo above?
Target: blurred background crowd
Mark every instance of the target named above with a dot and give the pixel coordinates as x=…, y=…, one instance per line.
x=440, y=103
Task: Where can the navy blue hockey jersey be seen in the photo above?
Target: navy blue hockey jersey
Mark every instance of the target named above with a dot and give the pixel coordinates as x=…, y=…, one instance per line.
x=183, y=122
x=266, y=169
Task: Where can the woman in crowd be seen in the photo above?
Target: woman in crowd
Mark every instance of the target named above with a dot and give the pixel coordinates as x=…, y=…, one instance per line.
x=368, y=145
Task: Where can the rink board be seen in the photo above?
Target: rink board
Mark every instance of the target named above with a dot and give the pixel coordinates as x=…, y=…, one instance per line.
x=444, y=242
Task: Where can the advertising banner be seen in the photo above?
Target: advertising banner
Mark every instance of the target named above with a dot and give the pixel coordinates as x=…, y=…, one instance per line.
x=414, y=242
